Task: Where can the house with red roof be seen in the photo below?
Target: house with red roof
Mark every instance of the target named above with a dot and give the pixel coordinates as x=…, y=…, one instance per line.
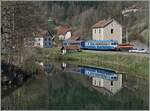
x=43, y=39
x=107, y=30
x=63, y=32
x=75, y=36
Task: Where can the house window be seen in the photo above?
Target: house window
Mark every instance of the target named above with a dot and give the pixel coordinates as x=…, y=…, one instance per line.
x=49, y=39
x=95, y=30
x=99, y=31
x=45, y=44
x=99, y=83
x=112, y=31
x=39, y=39
x=49, y=43
x=95, y=82
x=45, y=39
x=39, y=43
x=111, y=83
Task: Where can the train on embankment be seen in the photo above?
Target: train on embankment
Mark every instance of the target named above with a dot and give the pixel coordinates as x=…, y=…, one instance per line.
x=101, y=45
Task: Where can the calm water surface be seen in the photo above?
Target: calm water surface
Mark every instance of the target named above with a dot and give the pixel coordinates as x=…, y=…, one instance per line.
x=66, y=86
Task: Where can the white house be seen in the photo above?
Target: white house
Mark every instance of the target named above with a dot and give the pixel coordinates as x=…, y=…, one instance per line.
x=63, y=33
x=111, y=86
x=43, y=40
x=107, y=30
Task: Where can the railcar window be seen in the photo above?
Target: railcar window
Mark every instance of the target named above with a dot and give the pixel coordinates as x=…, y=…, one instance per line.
x=114, y=43
x=101, y=44
x=92, y=43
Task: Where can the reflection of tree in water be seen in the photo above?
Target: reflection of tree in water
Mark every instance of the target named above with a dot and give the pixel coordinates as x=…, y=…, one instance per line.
x=27, y=96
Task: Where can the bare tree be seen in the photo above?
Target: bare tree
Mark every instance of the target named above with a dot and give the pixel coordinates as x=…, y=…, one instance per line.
x=19, y=21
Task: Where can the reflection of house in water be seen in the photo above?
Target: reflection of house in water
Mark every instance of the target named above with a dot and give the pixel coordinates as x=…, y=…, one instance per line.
x=104, y=78
x=112, y=86
x=46, y=67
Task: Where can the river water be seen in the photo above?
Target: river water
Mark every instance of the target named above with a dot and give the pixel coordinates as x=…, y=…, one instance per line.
x=67, y=86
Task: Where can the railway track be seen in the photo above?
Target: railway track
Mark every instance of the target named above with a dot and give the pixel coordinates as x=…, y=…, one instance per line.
x=118, y=52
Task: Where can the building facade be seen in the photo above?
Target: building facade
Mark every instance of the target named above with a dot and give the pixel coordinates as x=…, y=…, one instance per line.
x=43, y=40
x=107, y=30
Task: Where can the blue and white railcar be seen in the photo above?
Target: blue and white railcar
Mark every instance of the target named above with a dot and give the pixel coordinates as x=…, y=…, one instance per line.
x=99, y=72
x=99, y=45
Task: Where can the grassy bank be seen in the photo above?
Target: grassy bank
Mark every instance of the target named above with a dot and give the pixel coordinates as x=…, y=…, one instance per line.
x=46, y=53
x=130, y=64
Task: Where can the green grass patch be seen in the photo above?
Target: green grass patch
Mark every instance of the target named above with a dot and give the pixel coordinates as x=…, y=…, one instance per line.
x=130, y=64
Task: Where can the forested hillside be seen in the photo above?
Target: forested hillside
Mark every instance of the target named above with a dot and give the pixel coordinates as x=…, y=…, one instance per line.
x=82, y=15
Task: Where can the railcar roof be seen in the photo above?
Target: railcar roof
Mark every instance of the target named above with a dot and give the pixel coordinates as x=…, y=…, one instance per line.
x=101, y=41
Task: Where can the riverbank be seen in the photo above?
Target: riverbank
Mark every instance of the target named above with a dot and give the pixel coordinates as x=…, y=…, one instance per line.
x=122, y=63
x=131, y=64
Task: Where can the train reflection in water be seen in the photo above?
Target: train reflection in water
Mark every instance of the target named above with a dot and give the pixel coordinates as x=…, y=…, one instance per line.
x=98, y=72
x=106, y=79
x=103, y=78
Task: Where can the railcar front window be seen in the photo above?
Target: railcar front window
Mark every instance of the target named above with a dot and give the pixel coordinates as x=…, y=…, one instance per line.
x=114, y=43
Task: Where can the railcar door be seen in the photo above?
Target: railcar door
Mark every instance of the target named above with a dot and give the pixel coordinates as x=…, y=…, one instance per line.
x=82, y=45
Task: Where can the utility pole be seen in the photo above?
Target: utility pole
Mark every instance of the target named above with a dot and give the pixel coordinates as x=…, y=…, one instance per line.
x=126, y=35
x=126, y=30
